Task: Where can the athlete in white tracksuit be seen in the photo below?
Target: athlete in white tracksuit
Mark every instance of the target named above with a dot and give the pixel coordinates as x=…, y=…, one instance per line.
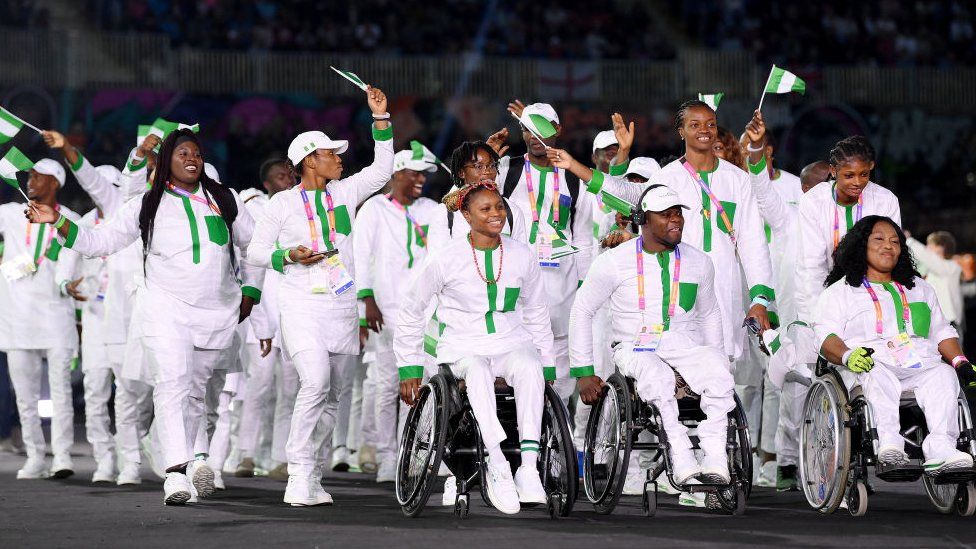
x=390, y=239
x=674, y=325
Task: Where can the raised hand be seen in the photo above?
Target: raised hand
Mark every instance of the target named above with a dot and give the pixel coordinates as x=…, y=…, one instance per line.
x=376, y=100
x=41, y=213
x=497, y=141
x=559, y=158
x=623, y=131
x=53, y=139
x=756, y=130
x=516, y=107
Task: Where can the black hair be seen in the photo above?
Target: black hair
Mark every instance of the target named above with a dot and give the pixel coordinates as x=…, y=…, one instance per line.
x=268, y=164
x=855, y=146
x=851, y=255
x=679, y=117
x=468, y=152
x=213, y=191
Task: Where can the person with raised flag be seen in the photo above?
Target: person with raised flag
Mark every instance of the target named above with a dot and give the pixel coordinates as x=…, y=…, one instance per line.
x=41, y=320
x=390, y=242
x=561, y=230
x=665, y=319
x=188, y=307
x=304, y=234
x=497, y=322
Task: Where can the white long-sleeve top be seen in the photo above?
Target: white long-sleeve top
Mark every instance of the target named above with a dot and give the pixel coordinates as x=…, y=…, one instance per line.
x=787, y=186
x=613, y=279
x=848, y=312
x=37, y=315
x=781, y=213
x=560, y=283
x=389, y=248
x=441, y=234
x=705, y=230
x=480, y=318
x=190, y=290
x=263, y=322
x=945, y=276
x=94, y=284
x=816, y=242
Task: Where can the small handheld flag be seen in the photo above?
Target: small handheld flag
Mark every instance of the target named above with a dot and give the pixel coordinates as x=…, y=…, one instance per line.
x=782, y=81
x=534, y=131
x=10, y=125
x=11, y=163
x=421, y=152
x=351, y=76
x=712, y=100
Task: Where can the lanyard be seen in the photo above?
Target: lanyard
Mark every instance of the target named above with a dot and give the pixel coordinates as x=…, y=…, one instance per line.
x=38, y=256
x=711, y=196
x=185, y=194
x=410, y=218
x=672, y=298
x=311, y=221
x=879, y=325
x=330, y=215
x=555, y=194
x=860, y=208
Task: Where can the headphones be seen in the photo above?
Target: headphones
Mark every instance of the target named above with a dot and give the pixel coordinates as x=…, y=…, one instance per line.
x=638, y=216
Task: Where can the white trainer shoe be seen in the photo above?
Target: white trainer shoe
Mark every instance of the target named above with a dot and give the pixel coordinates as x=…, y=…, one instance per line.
x=386, y=471
x=105, y=472
x=62, y=467
x=450, y=492
x=305, y=491
x=152, y=456
x=129, y=474
x=529, y=486
x=955, y=460
x=715, y=469
x=767, y=474
x=34, y=468
x=893, y=456
x=501, y=488
x=219, y=481
x=634, y=483
x=176, y=489
x=367, y=458
x=684, y=466
x=202, y=477
x=340, y=459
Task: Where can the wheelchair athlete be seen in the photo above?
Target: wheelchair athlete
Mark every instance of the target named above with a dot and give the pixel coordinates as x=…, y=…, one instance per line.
x=490, y=296
x=881, y=320
x=665, y=318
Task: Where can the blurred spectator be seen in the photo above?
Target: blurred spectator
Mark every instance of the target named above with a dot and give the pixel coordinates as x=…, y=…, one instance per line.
x=935, y=261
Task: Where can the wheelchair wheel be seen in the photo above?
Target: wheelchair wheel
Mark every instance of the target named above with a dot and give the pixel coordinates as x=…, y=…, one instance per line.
x=558, y=459
x=942, y=496
x=825, y=445
x=422, y=447
x=733, y=497
x=606, y=449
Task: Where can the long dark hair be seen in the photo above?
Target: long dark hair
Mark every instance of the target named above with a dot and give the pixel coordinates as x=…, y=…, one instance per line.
x=213, y=191
x=851, y=255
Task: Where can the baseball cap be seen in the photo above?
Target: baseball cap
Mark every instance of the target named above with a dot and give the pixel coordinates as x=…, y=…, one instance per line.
x=541, y=116
x=47, y=166
x=659, y=199
x=643, y=166
x=251, y=193
x=404, y=160
x=604, y=139
x=109, y=172
x=307, y=142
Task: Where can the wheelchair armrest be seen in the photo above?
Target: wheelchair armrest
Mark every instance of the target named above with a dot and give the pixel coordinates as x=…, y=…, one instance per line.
x=823, y=366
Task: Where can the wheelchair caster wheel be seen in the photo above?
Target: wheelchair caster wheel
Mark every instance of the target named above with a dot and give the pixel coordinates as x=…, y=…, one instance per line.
x=461, y=506
x=740, y=501
x=554, y=505
x=649, y=500
x=857, y=499
x=966, y=500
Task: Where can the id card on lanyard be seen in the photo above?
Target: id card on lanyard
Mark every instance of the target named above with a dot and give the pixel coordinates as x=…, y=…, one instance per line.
x=648, y=338
x=543, y=242
x=900, y=346
x=329, y=275
x=723, y=215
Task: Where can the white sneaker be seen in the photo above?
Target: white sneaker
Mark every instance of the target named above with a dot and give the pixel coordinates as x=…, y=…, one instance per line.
x=202, y=477
x=176, y=489
x=892, y=456
x=34, y=468
x=105, y=472
x=305, y=491
x=62, y=467
x=367, y=458
x=129, y=475
x=634, y=483
x=218, y=481
x=955, y=460
x=340, y=459
x=767, y=474
x=386, y=471
x=153, y=458
x=715, y=469
x=684, y=466
x=501, y=489
x=688, y=499
x=529, y=486
x=450, y=492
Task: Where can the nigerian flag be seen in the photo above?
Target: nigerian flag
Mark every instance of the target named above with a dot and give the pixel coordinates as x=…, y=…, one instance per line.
x=421, y=152
x=9, y=125
x=712, y=100
x=784, y=81
x=351, y=76
x=163, y=127
x=11, y=163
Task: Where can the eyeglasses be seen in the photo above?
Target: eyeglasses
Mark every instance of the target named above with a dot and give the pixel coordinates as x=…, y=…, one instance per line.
x=479, y=167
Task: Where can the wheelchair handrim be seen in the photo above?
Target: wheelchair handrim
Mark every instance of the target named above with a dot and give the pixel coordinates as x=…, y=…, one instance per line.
x=426, y=408
x=609, y=423
x=823, y=447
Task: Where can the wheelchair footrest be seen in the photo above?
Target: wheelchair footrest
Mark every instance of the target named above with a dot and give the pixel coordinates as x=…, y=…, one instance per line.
x=898, y=473
x=955, y=476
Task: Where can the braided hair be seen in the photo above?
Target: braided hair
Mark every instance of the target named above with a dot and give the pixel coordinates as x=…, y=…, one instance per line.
x=468, y=152
x=849, y=148
x=679, y=117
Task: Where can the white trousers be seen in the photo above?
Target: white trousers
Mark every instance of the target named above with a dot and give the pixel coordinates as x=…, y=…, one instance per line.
x=317, y=402
x=386, y=397
x=133, y=409
x=602, y=367
x=98, y=391
x=705, y=371
x=367, y=425
x=347, y=371
x=565, y=384
x=791, y=403
x=521, y=368
x=355, y=437
x=258, y=395
x=25, y=374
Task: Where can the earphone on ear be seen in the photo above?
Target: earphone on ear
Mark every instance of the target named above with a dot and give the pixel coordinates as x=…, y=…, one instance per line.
x=638, y=215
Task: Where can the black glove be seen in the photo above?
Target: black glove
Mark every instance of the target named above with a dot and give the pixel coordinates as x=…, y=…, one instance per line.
x=967, y=374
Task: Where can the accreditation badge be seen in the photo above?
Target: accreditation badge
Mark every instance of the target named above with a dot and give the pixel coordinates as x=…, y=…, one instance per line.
x=330, y=276
x=648, y=338
x=18, y=267
x=902, y=349
x=543, y=246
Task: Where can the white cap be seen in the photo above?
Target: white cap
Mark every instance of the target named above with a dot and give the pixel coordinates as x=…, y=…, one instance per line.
x=604, y=139
x=251, y=193
x=109, y=172
x=211, y=172
x=541, y=116
x=659, y=199
x=404, y=160
x=47, y=166
x=643, y=166
x=306, y=143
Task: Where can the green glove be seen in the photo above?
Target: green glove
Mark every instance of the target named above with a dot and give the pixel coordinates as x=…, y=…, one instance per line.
x=967, y=374
x=859, y=360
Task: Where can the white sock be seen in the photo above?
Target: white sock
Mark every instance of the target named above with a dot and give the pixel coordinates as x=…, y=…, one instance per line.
x=495, y=454
x=530, y=453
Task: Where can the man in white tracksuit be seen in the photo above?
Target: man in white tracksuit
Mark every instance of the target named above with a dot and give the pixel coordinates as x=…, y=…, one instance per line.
x=42, y=322
x=389, y=242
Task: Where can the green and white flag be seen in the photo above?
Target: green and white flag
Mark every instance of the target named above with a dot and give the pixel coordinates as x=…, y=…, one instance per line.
x=784, y=81
x=351, y=76
x=142, y=133
x=712, y=100
x=163, y=127
x=421, y=152
x=195, y=128
x=11, y=163
x=9, y=125
x=561, y=246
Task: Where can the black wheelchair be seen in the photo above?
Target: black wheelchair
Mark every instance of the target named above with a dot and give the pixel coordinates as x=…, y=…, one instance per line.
x=838, y=443
x=617, y=420
x=441, y=427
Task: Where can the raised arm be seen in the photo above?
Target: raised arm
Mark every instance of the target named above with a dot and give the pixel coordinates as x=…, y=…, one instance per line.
x=372, y=178
x=597, y=181
x=106, y=196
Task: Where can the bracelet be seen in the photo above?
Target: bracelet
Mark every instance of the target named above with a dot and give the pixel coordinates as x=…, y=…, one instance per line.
x=761, y=300
x=61, y=221
x=959, y=360
x=384, y=116
x=846, y=355
x=760, y=149
x=287, y=256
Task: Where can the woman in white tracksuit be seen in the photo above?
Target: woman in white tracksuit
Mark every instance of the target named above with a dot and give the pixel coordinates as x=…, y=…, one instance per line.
x=304, y=234
x=497, y=324
x=188, y=307
x=876, y=301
